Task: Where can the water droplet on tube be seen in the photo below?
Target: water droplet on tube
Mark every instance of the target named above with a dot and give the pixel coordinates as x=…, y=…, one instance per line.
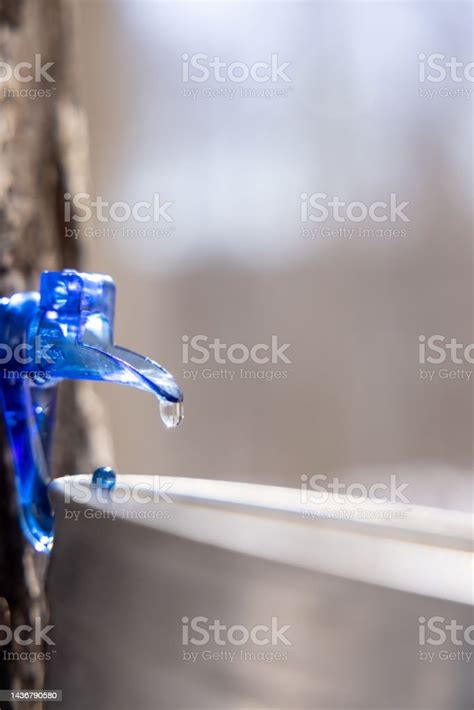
x=104, y=477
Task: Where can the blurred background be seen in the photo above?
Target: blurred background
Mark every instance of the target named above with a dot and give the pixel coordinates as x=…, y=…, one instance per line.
x=235, y=262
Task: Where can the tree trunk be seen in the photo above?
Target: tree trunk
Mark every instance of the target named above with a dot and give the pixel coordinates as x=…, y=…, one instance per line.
x=43, y=154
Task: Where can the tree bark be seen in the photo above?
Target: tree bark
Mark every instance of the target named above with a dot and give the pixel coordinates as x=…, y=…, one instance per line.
x=43, y=154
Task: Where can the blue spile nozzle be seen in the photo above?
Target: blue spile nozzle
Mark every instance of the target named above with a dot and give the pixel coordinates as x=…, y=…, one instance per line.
x=63, y=332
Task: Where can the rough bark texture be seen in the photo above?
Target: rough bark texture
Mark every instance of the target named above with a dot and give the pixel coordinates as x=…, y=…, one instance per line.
x=43, y=154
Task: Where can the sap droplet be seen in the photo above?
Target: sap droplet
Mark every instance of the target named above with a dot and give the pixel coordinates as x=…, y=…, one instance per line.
x=104, y=477
x=171, y=413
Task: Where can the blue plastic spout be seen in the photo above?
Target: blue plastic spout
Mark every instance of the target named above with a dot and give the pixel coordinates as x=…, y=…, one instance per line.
x=63, y=332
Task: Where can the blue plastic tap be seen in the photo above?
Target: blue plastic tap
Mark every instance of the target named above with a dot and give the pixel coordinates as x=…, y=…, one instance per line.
x=63, y=332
